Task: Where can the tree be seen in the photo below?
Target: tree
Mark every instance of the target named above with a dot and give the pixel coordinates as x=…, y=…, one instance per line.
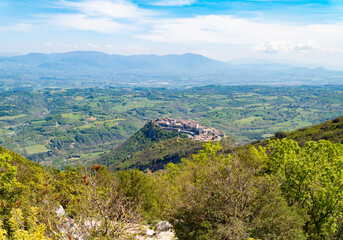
x=101, y=209
x=311, y=177
x=10, y=188
x=221, y=196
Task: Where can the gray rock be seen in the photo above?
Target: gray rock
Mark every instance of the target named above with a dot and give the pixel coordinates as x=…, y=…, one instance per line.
x=163, y=226
x=60, y=212
x=67, y=226
x=150, y=233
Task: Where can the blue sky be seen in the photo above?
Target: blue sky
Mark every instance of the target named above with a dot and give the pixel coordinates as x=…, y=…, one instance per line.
x=306, y=32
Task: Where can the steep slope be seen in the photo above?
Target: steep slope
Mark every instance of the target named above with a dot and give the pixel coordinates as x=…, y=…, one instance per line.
x=331, y=130
x=151, y=147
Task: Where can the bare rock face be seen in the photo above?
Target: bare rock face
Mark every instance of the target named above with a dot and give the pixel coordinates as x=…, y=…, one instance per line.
x=163, y=226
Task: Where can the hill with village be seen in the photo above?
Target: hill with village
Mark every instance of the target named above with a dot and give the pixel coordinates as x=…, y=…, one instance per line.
x=193, y=129
x=160, y=142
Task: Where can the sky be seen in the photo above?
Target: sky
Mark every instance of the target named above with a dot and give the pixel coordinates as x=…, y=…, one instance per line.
x=308, y=33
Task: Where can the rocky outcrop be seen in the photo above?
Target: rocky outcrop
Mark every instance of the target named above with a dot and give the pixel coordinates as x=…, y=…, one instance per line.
x=163, y=226
x=163, y=231
x=67, y=226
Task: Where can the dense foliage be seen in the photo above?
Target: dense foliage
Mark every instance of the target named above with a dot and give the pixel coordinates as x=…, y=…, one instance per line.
x=312, y=178
x=281, y=191
x=30, y=199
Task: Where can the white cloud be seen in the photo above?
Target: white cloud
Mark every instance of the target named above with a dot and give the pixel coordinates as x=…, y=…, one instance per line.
x=104, y=16
x=92, y=45
x=118, y=49
x=133, y=49
x=226, y=29
x=17, y=27
x=283, y=46
x=215, y=29
x=109, y=46
x=84, y=22
x=167, y=3
x=119, y=9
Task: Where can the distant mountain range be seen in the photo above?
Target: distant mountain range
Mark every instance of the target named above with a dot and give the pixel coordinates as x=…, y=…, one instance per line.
x=98, y=61
x=89, y=69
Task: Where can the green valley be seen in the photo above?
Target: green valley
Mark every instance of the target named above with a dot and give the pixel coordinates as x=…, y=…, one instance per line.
x=62, y=127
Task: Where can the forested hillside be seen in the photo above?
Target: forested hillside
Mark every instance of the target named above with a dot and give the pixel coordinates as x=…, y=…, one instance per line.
x=331, y=130
x=277, y=191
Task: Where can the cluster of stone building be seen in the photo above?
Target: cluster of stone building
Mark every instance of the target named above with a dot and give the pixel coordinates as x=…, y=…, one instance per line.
x=193, y=129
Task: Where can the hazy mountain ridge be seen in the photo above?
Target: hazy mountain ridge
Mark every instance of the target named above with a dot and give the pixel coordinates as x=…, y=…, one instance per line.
x=117, y=63
x=89, y=69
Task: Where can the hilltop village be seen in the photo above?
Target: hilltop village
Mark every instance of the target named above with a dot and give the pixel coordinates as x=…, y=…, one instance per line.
x=193, y=129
